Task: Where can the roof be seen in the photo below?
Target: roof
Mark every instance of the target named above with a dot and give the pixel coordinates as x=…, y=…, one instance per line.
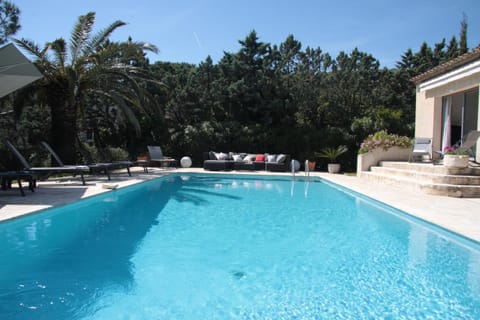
x=448, y=66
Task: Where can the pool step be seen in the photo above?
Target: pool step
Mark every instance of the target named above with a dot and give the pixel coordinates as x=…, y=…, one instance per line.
x=427, y=178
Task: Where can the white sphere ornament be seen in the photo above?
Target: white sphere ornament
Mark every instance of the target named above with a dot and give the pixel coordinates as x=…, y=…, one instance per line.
x=186, y=162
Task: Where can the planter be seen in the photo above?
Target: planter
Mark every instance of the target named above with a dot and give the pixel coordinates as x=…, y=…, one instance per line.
x=372, y=158
x=455, y=161
x=333, y=167
x=142, y=158
x=311, y=165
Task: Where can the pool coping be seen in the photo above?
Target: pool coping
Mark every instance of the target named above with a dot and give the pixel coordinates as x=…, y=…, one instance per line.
x=459, y=215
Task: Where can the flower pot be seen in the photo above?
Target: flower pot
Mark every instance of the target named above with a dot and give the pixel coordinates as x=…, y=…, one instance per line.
x=333, y=167
x=455, y=161
x=311, y=165
x=142, y=158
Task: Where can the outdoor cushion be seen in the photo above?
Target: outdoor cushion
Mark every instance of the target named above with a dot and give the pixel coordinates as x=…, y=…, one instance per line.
x=260, y=158
x=271, y=157
x=212, y=156
x=249, y=158
x=281, y=158
x=221, y=155
x=237, y=157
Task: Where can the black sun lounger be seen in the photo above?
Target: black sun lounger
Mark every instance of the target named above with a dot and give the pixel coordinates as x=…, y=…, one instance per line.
x=46, y=171
x=94, y=167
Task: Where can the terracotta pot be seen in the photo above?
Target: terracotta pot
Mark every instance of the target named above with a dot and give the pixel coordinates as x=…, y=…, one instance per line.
x=455, y=161
x=142, y=158
x=311, y=165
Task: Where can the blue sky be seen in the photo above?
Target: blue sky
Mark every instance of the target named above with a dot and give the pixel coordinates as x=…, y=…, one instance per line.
x=189, y=31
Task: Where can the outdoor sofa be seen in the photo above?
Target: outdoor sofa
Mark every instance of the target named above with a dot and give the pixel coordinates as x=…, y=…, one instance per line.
x=221, y=161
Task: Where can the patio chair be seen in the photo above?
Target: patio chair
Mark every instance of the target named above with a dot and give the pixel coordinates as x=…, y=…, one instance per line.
x=47, y=171
x=469, y=141
x=465, y=144
x=104, y=167
x=156, y=155
x=421, y=147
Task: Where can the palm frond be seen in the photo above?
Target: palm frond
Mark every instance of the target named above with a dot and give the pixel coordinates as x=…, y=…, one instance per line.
x=100, y=37
x=146, y=46
x=29, y=46
x=126, y=110
x=80, y=34
x=59, y=48
x=40, y=54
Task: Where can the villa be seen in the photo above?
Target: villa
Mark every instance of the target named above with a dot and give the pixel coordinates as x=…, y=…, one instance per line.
x=447, y=104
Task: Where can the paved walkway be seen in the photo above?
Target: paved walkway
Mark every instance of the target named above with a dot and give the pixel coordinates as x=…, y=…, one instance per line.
x=461, y=215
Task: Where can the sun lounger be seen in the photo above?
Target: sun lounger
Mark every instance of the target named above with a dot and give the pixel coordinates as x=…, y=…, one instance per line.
x=7, y=177
x=156, y=155
x=104, y=167
x=47, y=171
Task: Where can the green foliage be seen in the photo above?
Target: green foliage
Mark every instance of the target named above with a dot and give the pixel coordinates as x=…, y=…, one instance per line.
x=9, y=20
x=332, y=153
x=281, y=98
x=383, y=139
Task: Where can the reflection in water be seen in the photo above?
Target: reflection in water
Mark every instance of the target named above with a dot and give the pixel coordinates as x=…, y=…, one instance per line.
x=417, y=245
x=473, y=276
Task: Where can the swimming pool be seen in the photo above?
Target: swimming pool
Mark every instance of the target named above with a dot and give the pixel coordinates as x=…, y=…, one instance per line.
x=234, y=247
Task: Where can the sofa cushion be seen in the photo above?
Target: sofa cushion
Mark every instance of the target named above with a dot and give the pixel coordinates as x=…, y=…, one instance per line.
x=237, y=157
x=212, y=156
x=281, y=158
x=221, y=155
x=260, y=158
x=271, y=157
x=249, y=158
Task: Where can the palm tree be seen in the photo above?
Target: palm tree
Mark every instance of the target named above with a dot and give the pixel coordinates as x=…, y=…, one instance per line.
x=90, y=68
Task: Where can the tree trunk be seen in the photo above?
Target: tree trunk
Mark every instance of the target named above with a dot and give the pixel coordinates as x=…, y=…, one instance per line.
x=64, y=124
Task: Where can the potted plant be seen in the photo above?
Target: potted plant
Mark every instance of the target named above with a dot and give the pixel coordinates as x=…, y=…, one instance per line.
x=332, y=154
x=453, y=157
x=311, y=165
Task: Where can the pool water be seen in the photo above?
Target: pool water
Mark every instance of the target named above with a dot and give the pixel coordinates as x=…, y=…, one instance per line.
x=234, y=247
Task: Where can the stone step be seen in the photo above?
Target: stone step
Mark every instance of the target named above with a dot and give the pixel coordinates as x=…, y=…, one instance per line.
x=428, y=177
x=445, y=189
x=431, y=168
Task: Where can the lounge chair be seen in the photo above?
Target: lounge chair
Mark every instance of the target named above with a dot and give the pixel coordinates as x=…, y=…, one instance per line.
x=7, y=177
x=465, y=144
x=421, y=147
x=156, y=155
x=47, y=171
x=94, y=167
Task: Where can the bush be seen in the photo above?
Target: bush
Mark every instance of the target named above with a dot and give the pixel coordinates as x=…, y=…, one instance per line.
x=382, y=139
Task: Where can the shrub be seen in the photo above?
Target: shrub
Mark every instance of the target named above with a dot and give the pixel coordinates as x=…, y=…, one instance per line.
x=383, y=139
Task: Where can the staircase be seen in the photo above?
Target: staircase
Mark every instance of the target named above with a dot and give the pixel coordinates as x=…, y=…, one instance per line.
x=427, y=178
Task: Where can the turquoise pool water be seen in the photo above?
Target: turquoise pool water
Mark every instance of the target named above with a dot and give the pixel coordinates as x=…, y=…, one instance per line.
x=234, y=247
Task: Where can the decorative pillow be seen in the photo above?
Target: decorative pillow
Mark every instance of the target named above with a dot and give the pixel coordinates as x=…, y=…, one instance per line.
x=237, y=157
x=281, y=158
x=221, y=156
x=271, y=157
x=212, y=156
x=260, y=158
x=249, y=158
